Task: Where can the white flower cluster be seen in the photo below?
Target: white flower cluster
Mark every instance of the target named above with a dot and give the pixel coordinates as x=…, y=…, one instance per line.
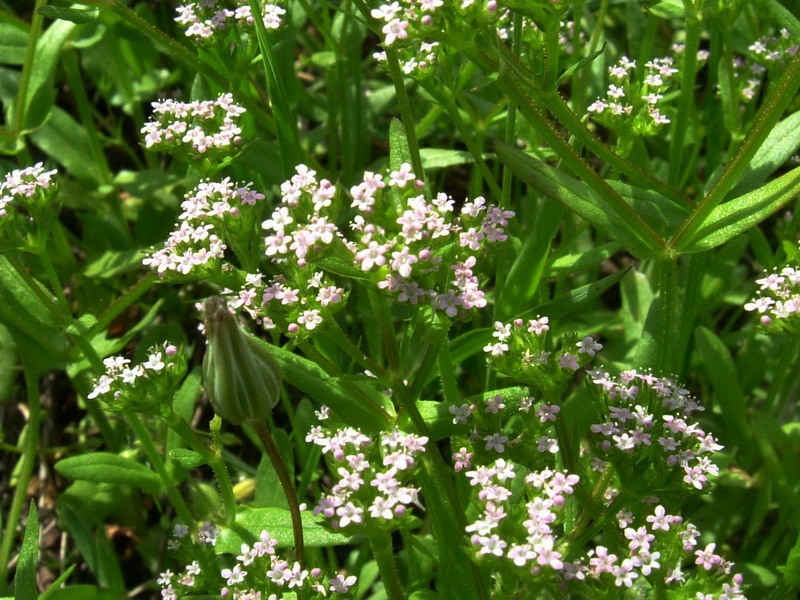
x=194, y=127
x=203, y=19
x=24, y=183
x=139, y=387
x=206, y=209
x=373, y=479
x=778, y=300
x=634, y=106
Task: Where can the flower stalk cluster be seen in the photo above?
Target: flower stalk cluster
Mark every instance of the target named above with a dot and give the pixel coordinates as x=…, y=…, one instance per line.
x=206, y=20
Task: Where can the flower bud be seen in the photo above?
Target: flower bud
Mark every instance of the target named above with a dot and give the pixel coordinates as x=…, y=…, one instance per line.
x=241, y=377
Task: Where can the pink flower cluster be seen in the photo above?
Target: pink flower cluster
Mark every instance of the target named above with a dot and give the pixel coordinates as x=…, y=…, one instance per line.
x=646, y=421
x=778, y=299
x=195, y=128
x=257, y=572
x=22, y=184
x=297, y=310
x=211, y=208
x=372, y=480
x=411, y=26
x=527, y=535
x=203, y=19
x=405, y=242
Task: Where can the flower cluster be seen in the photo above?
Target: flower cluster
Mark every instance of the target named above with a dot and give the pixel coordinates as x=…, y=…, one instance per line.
x=768, y=54
x=22, y=185
x=405, y=238
x=645, y=428
x=279, y=304
x=204, y=19
x=373, y=479
x=778, y=300
x=521, y=527
x=411, y=27
x=665, y=549
x=508, y=422
x=632, y=108
x=259, y=573
x=141, y=387
x=195, y=129
x=520, y=349
x=212, y=208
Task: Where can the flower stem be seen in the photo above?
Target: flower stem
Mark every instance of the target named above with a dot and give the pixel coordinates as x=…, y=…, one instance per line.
x=25, y=470
x=381, y=543
x=213, y=459
x=405, y=110
x=262, y=430
x=170, y=487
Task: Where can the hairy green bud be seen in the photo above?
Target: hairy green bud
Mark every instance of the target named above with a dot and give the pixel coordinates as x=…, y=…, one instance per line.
x=241, y=377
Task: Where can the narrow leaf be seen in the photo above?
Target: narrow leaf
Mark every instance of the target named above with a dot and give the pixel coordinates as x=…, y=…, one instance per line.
x=103, y=467
x=25, y=580
x=579, y=198
x=737, y=216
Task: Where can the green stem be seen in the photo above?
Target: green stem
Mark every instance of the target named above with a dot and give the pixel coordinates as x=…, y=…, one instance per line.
x=24, y=470
x=686, y=103
x=448, y=100
x=170, y=487
x=214, y=459
x=381, y=543
x=124, y=301
x=667, y=315
x=778, y=100
x=405, y=110
x=55, y=283
x=27, y=68
x=261, y=428
x=34, y=286
x=551, y=51
x=511, y=115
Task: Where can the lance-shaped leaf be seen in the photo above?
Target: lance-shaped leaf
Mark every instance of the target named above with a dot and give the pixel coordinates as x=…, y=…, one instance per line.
x=581, y=199
x=740, y=214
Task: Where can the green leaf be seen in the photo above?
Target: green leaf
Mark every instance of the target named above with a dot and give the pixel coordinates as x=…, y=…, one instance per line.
x=791, y=570
x=72, y=15
x=367, y=411
x=66, y=142
x=579, y=198
x=669, y=9
x=780, y=145
x=528, y=267
x=580, y=262
x=13, y=41
x=113, y=263
x=25, y=580
x=82, y=592
x=250, y=522
x=784, y=18
x=9, y=363
x=728, y=220
x=103, y=467
x=188, y=459
x=441, y=158
x=580, y=64
x=41, y=87
x=399, y=151
x=574, y=300
x=51, y=591
x=723, y=374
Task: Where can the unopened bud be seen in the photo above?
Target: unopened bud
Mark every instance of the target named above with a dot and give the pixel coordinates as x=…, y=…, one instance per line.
x=241, y=377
